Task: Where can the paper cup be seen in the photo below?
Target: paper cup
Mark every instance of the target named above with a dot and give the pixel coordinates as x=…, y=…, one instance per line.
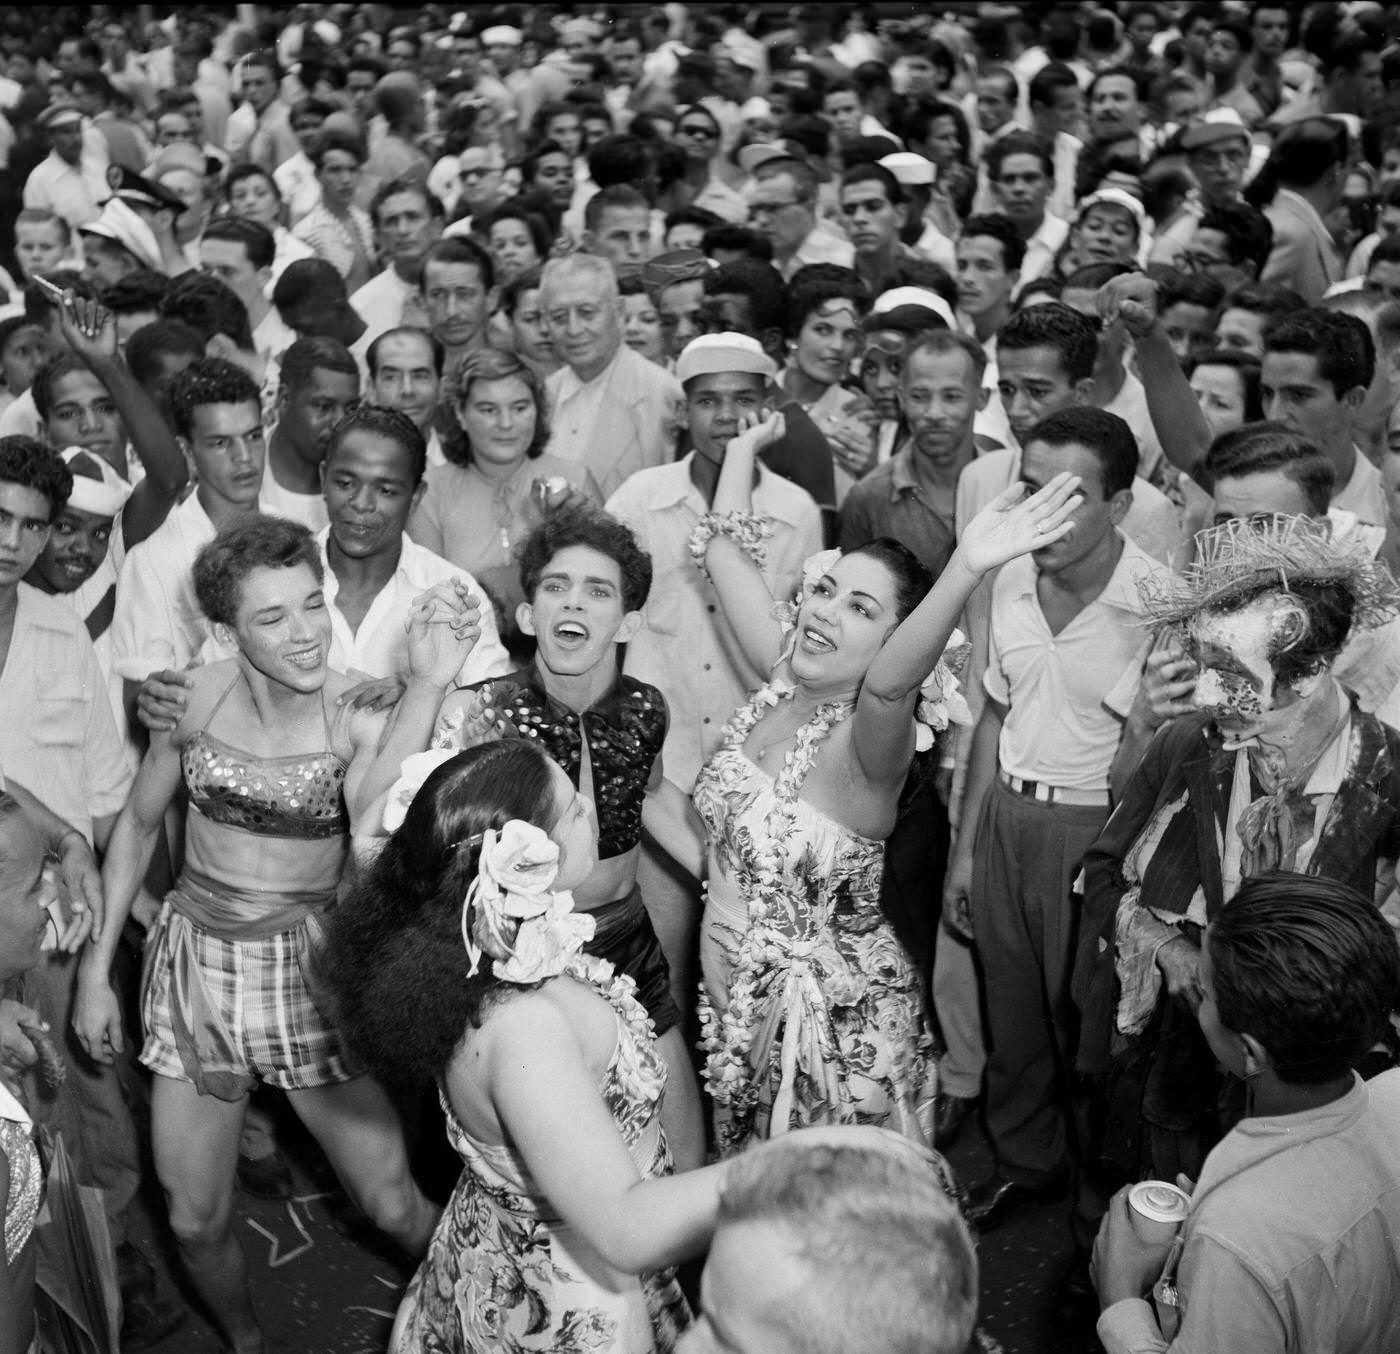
x=1158, y=1209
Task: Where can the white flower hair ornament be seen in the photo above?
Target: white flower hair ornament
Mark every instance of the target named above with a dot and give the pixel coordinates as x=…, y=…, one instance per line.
x=510, y=913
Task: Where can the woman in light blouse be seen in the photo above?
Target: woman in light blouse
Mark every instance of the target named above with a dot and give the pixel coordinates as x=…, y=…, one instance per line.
x=499, y=482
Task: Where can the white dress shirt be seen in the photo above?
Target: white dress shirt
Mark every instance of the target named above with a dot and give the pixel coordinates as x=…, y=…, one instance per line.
x=75, y=192
x=379, y=648
x=158, y=622
x=1363, y=494
x=1067, y=691
x=386, y=301
x=59, y=738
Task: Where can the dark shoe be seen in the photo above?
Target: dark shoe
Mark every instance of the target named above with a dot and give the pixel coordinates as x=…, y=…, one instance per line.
x=266, y=1177
x=993, y=1201
x=950, y=1113
x=1076, y=1301
x=147, y=1319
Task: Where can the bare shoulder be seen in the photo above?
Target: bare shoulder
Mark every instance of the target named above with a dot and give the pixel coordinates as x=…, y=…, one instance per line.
x=209, y=683
x=561, y=1016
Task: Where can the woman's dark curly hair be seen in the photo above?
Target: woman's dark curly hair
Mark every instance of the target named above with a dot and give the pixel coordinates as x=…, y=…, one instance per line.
x=394, y=960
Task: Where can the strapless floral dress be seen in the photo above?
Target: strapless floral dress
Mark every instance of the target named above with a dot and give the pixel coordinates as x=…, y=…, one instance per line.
x=504, y=1275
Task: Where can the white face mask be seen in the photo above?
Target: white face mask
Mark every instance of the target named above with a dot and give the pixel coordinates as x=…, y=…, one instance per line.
x=1238, y=680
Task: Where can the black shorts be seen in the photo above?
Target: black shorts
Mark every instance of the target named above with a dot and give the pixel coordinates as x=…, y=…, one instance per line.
x=626, y=938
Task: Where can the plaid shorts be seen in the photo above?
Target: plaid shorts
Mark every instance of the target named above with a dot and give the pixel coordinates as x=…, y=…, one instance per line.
x=258, y=990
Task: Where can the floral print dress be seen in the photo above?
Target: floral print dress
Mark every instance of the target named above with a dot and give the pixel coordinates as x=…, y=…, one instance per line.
x=504, y=1275
x=810, y=1008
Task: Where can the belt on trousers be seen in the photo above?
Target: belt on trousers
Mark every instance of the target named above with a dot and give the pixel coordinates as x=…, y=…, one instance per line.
x=1053, y=794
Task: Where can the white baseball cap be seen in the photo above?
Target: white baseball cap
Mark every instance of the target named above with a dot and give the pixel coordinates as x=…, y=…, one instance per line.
x=711, y=354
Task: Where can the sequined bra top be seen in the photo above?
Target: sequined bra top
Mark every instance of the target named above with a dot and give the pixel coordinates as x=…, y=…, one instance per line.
x=298, y=796
x=625, y=731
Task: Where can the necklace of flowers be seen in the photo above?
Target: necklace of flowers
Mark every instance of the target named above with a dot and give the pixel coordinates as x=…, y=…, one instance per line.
x=727, y=1035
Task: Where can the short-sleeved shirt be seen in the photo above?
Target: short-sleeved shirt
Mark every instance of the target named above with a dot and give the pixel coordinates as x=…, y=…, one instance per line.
x=74, y=192
x=890, y=501
x=1067, y=693
x=59, y=736
x=686, y=646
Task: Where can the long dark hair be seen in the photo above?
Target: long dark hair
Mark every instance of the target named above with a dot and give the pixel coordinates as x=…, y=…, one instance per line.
x=394, y=959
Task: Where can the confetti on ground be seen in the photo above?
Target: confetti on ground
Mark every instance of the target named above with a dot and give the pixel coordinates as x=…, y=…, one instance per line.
x=275, y=1259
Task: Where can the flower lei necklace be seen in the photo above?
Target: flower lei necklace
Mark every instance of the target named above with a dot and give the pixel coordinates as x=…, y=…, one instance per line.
x=727, y=1035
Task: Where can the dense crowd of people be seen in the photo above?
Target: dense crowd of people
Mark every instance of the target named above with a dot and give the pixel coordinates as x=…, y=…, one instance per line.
x=640, y=614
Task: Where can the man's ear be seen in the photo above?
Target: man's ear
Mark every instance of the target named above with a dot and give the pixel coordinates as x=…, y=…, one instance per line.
x=525, y=618
x=984, y=394
x=1084, y=391
x=1353, y=398
x=224, y=634
x=629, y=629
x=220, y=345
x=1118, y=506
x=416, y=497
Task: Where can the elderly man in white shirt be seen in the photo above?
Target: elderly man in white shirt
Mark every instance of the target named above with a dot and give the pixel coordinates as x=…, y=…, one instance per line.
x=612, y=409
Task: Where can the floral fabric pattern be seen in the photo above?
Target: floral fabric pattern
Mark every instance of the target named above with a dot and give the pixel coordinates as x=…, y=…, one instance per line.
x=500, y=1276
x=811, y=1009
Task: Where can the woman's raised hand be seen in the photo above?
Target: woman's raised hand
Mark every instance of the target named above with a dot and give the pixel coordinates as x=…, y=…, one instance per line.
x=1014, y=523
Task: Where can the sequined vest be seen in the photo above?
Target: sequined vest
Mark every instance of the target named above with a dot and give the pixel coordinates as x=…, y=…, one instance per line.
x=625, y=731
